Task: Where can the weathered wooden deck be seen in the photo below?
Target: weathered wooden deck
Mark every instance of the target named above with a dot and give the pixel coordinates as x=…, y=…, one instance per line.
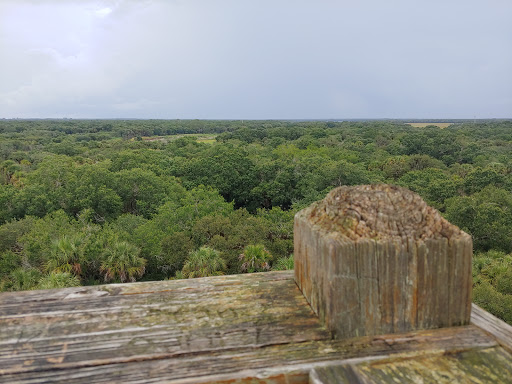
x=254, y=328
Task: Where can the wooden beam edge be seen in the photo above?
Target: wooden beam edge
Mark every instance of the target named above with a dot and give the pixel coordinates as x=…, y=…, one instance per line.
x=141, y=288
x=302, y=372
x=490, y=324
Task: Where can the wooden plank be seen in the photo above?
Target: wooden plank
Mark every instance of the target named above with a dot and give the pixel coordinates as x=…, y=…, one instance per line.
x=491, y=365
x=212, y=329
x=491, y=324
x=242, y=364
x=334, y=374
x=129, y=323
x=148, y=287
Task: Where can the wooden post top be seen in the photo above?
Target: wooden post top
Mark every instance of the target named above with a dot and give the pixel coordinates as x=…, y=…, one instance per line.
x=374, y=259
x=380, y=212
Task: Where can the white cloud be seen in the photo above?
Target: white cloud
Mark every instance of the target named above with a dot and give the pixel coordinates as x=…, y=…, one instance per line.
x=265, y=59
x=103, y=12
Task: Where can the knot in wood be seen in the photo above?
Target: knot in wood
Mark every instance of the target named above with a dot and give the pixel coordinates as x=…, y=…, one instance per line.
x=380, y=212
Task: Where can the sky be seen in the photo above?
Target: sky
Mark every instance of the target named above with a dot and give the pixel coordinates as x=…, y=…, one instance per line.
x=258, y=59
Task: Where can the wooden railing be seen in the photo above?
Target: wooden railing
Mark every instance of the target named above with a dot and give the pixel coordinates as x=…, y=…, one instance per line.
x=370, y=260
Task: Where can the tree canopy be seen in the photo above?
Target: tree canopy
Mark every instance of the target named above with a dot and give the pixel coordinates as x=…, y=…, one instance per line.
x=89, y=201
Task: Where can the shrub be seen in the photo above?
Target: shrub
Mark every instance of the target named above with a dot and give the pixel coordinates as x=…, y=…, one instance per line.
x=255, y=258
x=203, y=262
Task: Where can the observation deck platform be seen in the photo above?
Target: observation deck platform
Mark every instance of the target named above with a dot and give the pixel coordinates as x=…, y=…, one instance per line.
x=251, y=328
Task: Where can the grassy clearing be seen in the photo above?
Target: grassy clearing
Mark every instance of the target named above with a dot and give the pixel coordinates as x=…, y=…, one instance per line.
x=423, y=125
x=208, y=139
x=200, y=137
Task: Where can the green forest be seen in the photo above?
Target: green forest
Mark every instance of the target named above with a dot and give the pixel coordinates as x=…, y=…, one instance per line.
x=86, y=202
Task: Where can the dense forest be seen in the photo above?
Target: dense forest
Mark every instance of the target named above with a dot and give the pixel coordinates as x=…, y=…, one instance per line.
x=92, y=201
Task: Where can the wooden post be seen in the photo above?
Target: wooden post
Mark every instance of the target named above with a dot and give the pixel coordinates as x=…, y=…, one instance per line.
x=376, y=259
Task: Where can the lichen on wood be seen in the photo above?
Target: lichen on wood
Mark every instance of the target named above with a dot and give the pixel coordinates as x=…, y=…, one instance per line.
x=380, y=212
x=250, y=328
x=478, y=366
x=376, y=259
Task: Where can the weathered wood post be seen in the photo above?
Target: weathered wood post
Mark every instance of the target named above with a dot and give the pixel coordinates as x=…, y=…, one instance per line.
x=376, y=259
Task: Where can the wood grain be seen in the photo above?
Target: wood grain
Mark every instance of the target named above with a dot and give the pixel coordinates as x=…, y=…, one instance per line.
x=491, y=365
x=131, y=323
x=293, y=359
x=253, y=328
x=375, y=259
x=491, y=324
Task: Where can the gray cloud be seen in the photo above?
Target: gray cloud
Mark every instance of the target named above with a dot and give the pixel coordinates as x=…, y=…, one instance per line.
x=265, y=59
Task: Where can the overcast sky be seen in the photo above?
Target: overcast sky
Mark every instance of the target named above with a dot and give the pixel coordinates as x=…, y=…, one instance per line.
x=257, y=59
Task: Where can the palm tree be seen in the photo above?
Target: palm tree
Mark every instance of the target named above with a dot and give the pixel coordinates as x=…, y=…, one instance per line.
x=58, y=280
x=65, y=256
x=121, y=262
x=178, y=276
x=255, y=258
x=284, y=264
x=203, y=262
x=22, y=279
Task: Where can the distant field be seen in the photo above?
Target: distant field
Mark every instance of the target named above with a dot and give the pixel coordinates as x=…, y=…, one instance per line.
x=423, y=125
x=207, y=138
